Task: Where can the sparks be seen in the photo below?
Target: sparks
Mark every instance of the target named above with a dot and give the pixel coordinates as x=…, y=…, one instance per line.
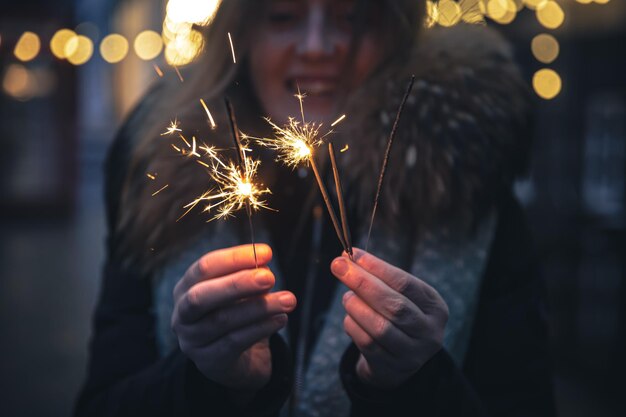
x=336, y=122
x=180, y=76
x=345, y=148
x=151, y=176
x=232, y=48
x=234, y=185
x=158, y=70
x=296, y=141
x=208, y=113
x=172, y=128
x=159, y=190
x=234, y=189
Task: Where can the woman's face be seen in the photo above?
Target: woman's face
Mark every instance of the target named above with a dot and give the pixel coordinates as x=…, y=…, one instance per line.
x=305, y=44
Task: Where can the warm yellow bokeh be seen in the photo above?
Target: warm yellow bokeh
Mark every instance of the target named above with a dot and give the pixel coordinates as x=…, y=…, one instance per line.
x=27, y=47
x=535, y=4
x=184, y=49
x=449, y=13
x=200, y=12
x=550, y=15
x=547, y=83
x=18, y=82
x=59, y=42
x=545, y=48
x=148, y=45
x=114, y=48
x=585, y=1
x=502, y=11
x=79, y=50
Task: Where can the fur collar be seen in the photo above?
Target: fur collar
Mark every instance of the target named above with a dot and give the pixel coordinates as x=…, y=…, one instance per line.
x=462, y=140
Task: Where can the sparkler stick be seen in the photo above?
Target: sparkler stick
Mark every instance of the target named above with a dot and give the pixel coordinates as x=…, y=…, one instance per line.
x=342, y=206
x=241, y=159
x=329, y=206
x=386, y=158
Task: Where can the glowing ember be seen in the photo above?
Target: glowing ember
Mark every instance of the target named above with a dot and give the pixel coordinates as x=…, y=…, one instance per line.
x=172, y=128
x=233, y=189
x=295, y=141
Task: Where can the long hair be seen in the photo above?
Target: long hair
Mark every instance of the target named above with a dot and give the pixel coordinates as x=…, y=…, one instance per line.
x=144, y=233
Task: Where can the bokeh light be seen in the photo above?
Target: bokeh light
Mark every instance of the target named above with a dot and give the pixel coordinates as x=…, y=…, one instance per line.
x=199, y=12
x=547, y=83
x=502, y=11
x=59, y=42
x=17, y=82
x=535, y=4
x=545, y=48
x=148, y=45
x=79, y=50
x=449, y=13
x=472, y=11
x=550, y=15
x=27, y=47
x=114, y=48
x=184, y=49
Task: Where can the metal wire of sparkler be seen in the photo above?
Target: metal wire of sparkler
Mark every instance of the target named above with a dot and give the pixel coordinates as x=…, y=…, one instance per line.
x=383, y=169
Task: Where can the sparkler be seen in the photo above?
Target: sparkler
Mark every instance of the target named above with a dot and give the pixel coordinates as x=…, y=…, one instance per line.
x=295, y=144
x=243, y=161
x=342, y=205
x=383, y=169
x=234, y=188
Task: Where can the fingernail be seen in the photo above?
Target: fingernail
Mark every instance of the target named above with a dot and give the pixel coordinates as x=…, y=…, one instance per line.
x=287, y=300
x=263, y=279
x=339, y=266
x=280, y=319
x=347, y=296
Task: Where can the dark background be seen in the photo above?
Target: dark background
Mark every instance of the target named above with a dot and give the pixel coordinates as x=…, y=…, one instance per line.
x=52, y=225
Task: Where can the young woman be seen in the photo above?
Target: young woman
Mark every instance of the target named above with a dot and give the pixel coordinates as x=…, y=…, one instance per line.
x=441, y=317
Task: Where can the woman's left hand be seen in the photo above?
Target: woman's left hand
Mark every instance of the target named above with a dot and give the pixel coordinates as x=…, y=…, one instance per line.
x=395, y=319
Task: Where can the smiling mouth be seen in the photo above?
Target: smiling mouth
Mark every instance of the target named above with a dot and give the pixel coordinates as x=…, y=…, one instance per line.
x=313, y=86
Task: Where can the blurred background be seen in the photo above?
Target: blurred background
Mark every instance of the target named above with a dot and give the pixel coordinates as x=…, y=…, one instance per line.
x=70, y=70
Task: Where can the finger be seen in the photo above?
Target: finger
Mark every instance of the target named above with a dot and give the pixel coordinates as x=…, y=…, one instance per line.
x=235, y=343
x=207, y=296
x=378, y=295
x=223, y=262
x=412, y=287
x=379, y=328
x=231, y=318
x=375, y=354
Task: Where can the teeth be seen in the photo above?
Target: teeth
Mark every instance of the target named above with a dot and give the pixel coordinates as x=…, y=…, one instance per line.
x=317, y=87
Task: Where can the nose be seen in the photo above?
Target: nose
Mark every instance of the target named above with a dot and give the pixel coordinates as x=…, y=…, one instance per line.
x=316, y=41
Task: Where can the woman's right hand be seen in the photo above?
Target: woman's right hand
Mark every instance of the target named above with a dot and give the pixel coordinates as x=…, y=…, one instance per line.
x=224, y=314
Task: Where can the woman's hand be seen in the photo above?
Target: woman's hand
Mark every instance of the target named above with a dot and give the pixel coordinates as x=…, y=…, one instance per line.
x=224, y=314
x=395, y=319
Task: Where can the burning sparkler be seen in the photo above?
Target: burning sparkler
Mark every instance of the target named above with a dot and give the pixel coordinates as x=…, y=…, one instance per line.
x=295, y=144
x=235, y=185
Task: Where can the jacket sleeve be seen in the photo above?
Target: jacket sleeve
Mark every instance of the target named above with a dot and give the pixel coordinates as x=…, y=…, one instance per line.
x=126, y=377
x=507, y=367
x=437, y=389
